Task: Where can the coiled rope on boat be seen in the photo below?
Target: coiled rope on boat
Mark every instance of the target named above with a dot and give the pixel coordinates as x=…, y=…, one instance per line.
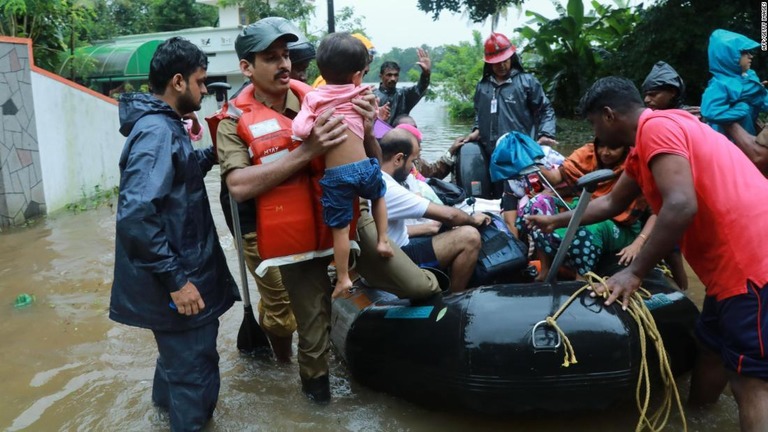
x=647, y=330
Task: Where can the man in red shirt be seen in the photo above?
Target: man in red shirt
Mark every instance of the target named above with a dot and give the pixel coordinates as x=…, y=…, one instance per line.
x=713, y=200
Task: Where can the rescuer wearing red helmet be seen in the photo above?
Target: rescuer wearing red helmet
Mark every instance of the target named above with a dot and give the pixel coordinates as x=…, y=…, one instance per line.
x=503, y=85
x=508, y=99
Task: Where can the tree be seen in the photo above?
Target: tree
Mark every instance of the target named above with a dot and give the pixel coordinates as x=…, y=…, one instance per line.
x=41, y=21
x=170, y=15
x=572, y=47
x=458, y=72
x=678, y=32
x=293, y=10
x=478, y=10
x=120, y=17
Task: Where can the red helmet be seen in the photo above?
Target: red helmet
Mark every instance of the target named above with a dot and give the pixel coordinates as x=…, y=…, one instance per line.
x=498, y=48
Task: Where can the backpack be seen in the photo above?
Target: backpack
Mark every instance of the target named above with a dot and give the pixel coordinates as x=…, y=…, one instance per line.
x=450, y=194
x=501, y=256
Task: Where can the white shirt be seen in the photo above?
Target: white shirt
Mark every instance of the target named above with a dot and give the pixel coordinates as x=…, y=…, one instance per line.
x=402, y=204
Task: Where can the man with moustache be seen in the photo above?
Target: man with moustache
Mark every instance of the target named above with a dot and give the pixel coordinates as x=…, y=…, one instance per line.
x=170, y=273
x=260, y=118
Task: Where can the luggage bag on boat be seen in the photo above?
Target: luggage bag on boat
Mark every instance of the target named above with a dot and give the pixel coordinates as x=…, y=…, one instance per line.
x=501, y=256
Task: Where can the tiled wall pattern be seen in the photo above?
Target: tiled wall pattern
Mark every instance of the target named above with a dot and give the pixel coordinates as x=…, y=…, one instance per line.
x=21, y=182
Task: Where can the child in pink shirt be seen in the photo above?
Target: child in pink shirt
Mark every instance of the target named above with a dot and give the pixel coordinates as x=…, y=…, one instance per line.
x=349, y=173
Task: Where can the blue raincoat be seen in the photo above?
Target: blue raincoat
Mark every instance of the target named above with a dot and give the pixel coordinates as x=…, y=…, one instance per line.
x=732, y=96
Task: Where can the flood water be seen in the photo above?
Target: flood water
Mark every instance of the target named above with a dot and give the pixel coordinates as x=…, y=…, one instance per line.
x=65, y=366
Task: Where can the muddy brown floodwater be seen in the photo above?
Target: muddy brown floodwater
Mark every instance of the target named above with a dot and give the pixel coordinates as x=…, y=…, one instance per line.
x=65, y=366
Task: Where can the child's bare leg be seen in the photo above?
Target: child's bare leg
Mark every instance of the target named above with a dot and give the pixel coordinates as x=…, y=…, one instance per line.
x=379, y=208
x=546, y=262
x=341, y=256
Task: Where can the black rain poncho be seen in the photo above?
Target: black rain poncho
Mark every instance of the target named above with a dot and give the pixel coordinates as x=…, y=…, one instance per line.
x=165, y=233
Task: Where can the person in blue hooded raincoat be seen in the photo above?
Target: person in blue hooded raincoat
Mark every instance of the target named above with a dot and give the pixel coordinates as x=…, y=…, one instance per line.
x=735, y=93
x=170, y=273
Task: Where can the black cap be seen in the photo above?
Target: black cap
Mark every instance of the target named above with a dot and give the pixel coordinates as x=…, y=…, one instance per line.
x=301, y=51
x=259, y=36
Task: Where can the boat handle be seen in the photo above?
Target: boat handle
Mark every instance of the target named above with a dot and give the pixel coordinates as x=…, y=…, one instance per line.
x=544, y=347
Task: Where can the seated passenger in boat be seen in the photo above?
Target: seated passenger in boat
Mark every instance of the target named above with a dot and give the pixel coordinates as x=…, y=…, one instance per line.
x=442, y=167
x=621, y=235
x=455, y=249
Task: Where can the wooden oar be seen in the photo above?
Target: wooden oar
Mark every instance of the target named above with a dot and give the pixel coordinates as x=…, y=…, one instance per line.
x=251, y=338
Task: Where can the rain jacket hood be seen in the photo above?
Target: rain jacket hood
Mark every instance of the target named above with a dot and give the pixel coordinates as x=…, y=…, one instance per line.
x=732, y=96
x=664, y=75
x=134, y=106
x=724, y=52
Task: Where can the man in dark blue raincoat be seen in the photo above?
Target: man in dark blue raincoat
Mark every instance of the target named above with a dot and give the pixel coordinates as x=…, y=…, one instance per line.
x=170, y=272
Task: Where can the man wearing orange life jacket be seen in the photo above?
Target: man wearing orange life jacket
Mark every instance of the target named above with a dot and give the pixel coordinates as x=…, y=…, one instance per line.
x=259, y=160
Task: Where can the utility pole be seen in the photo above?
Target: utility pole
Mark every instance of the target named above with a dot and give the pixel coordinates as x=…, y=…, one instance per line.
x=72, y=42
x=331, y=18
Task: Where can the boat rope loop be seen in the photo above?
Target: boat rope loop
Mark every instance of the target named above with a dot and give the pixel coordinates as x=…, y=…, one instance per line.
x=570, y=354
x=647, y=330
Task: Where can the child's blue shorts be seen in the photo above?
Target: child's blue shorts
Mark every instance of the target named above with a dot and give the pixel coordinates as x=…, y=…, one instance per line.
x=343, y=184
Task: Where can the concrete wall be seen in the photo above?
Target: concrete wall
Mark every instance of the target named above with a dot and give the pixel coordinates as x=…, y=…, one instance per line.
x=79, y=141
x=59, y=141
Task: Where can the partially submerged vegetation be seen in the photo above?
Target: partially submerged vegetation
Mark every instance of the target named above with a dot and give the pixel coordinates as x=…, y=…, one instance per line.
x=98, y=198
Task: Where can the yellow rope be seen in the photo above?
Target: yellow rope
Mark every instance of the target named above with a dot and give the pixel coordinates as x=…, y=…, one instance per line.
x=570, y=354
x=646, y=329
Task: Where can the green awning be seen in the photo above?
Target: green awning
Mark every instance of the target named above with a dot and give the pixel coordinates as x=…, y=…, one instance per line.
x=121, y=61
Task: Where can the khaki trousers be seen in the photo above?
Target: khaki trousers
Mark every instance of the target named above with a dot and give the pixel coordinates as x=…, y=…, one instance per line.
x=275, y=314
x=310, y=292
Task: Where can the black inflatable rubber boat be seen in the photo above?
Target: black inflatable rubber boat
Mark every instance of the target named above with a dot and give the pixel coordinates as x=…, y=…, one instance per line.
x=489, y=350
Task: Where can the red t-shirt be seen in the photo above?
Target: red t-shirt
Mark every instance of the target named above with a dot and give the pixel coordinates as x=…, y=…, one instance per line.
x=725, y=244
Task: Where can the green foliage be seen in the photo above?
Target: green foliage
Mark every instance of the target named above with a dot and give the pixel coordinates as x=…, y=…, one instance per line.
x=457, y=73
x=76, y=65
x=43, y=21
x=677, y=32
x=346, y=21
x=258, y=9
x=100, y=197
x=58, y=27
x=573, y=133
x=170, y=15
x=126, y=17
x=120, y=17
x=572, y=47
x=478, y=10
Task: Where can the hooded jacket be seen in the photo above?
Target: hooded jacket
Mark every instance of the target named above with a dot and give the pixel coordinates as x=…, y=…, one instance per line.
x=521, y=106
x=732, y=96
x=664, y=75
x=165, y=235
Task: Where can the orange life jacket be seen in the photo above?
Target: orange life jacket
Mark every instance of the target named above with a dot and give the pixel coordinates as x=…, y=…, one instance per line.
x=289, y=217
